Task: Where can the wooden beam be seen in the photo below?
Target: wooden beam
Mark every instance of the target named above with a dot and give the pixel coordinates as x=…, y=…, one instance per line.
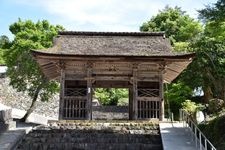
x=112, y=78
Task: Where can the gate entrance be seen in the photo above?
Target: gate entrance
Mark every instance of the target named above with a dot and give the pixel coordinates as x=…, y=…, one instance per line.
x=139, y=61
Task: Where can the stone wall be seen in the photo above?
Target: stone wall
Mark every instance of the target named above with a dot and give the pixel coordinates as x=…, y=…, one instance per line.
x=20, y=100
x=110, y=112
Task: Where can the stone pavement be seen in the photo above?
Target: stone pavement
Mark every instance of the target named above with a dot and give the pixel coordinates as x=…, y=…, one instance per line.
x=176, y=137
x=9, y=139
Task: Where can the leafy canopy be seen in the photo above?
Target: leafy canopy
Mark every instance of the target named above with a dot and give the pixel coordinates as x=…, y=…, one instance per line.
x=23, y=71
x=176, y=24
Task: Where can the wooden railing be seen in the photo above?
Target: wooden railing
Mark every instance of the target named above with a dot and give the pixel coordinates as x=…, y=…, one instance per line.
x=201, y=142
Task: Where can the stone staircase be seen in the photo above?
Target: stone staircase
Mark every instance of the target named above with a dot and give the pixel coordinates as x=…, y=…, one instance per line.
x=94, y=135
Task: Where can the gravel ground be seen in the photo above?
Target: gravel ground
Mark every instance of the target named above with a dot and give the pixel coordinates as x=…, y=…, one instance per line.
x=20, y=100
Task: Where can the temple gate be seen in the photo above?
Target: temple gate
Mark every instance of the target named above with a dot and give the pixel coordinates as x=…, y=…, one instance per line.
x=138, y=61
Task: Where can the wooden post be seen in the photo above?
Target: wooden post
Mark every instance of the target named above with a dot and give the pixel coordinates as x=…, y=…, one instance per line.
x=161, y=94
x=134, y=91
x=89, y=91
x=131, y=103
x=62, y=90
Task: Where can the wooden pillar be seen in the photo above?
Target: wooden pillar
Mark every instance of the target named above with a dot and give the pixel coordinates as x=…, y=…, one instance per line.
x=134, y=92
x=131, y=103
x=89, y=91
x=161, y=94
x=62, y=90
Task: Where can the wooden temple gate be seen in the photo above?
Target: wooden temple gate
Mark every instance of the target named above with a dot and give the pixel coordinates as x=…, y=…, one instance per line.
x=144, y=81
x=138, y=61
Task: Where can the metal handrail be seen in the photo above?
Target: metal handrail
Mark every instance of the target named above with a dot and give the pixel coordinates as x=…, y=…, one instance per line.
x=201, y=142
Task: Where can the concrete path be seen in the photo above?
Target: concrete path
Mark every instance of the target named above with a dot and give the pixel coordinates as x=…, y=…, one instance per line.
x=176, y=137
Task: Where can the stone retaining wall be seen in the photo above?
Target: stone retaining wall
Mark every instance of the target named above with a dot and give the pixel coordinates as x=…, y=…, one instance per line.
x=110, y=112
x=20, y=100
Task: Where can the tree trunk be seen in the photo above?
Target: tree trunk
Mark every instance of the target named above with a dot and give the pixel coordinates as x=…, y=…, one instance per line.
x=31, y=109
x=207, y=94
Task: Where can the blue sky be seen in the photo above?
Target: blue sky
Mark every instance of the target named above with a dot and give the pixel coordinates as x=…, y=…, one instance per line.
x=91, y=15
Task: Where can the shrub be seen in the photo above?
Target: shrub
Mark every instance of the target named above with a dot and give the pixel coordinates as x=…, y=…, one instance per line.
x=176, y=94
x=189, y=106
x=123, y=102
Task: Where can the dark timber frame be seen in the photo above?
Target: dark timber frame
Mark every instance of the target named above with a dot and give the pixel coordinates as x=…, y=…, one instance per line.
x=81, y=67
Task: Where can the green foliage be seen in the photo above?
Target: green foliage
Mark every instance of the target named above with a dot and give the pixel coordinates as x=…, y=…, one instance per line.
x=208, y=66
x=123, y=102
x=214, y=132
x=176, y=94
x=216, y=105
x=4, y=44
x=181, y=46
x=189, y=106
x=1, y=57
x=178, y=26
x=213, y=12
x=23, y=71
x=111, y=96
x=192, y=107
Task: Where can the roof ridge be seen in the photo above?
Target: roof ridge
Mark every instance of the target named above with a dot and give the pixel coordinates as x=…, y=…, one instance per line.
x=94, y=33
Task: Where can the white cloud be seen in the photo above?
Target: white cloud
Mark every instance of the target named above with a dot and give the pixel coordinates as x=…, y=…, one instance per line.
x=110, y=15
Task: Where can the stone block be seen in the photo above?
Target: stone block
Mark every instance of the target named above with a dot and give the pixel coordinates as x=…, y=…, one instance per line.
x=6, y=115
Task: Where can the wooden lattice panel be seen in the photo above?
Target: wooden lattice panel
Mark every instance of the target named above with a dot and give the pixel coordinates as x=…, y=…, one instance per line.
x=148, y=109
x=74, y=108
x=75, y=92
x=148, y=92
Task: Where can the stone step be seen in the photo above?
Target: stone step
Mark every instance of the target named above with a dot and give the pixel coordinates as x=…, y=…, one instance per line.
x=90, y=146
x=94, y=135
x=100, y=127
x=88, y=138
x=90, y=131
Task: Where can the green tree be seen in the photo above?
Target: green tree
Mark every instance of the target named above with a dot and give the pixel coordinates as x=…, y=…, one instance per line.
x=177, y=25
x=209, y=65
x=23, y=71
x=214, y=12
